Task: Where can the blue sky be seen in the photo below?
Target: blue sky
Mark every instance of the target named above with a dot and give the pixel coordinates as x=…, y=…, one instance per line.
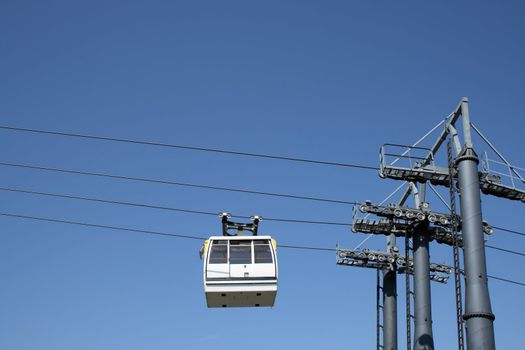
x=331, y=81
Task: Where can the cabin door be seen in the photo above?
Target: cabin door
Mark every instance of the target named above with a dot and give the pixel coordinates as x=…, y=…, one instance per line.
x=240, y=258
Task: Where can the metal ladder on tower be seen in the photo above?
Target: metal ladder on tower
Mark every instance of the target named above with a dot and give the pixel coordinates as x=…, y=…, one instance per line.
x=455, y=247
x=379, y=309
x=408, y=293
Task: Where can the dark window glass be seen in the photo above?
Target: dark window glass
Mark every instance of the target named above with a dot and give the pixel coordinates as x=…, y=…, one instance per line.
x=263, y=252
x=219, y=252
x=240, y=252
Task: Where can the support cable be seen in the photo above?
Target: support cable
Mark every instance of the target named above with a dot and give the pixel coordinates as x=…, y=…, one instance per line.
x=449, y=119
x=175, y=183
x=176, y=235
x=440, y=197
x=507, y=280
x=211, y=187
x=421, y=139
x=510, y=231
x=149, y=206
x=497, y=152
x=116, y=228
x=505, y=250
x=192, y=148
x=494, y=227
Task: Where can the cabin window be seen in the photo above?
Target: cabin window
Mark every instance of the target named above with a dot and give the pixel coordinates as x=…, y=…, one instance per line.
x=262, y=251
x=240, y=252
x=219, y=252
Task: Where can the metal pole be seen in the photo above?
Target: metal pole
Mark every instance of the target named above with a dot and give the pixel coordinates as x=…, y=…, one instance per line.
x=389, y=310
x=390, y=300
x=478, y=315
x=423, y=337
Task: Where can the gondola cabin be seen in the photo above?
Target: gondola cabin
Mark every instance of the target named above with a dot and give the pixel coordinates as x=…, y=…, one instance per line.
x=240, y=271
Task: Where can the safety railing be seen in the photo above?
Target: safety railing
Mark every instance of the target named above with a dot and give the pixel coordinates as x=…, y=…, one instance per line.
x=410, y=163
x=502, y=179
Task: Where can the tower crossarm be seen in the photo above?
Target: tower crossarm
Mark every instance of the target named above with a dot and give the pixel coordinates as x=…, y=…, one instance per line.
x=399, y=162
x=408, y=214
x=386, y=261
x=399, y=221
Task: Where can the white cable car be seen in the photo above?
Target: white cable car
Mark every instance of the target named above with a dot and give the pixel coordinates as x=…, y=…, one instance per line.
x=240, y=271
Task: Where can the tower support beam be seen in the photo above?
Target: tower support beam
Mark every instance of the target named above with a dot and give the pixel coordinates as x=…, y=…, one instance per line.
x=479, y=319
x=389, y=310
x=423, y=336
x=478, y=315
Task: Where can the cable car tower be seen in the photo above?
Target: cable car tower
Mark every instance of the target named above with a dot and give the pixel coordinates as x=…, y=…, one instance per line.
x=416, y=166
x=463, y=174
x=239, y=270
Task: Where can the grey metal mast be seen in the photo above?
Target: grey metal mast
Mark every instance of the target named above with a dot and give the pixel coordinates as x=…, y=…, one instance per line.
x=478, y=312
x=423, y=337
x=390, y=300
